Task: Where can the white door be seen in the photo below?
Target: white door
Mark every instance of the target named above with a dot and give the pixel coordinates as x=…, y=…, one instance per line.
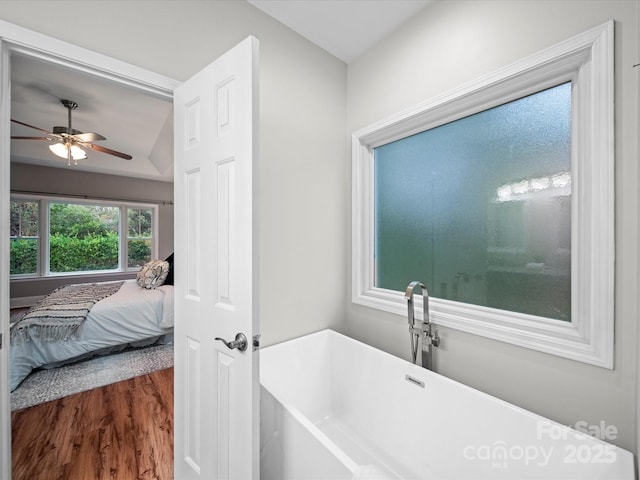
x=216, y=279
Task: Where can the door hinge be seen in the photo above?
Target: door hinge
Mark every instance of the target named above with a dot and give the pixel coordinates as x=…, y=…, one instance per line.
x=256, y=342
x=1, y=345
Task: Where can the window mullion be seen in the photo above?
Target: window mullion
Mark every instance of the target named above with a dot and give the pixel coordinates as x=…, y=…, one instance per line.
x=44, y=250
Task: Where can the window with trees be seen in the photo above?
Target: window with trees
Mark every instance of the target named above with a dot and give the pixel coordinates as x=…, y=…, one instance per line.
x=25, y=238
x=139, y=236
x=56, y=237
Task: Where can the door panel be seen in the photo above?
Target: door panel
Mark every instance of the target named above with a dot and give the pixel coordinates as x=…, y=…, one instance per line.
x=217, y=384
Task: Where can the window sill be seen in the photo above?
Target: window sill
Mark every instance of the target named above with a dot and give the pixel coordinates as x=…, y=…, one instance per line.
x=570, y=340
x=74, y=276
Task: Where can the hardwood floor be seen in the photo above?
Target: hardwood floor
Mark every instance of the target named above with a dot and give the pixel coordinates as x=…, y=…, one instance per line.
x=121, y=431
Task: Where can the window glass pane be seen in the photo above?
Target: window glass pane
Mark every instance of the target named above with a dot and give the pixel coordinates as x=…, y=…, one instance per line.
x=139, y=236
x=480, y=208
x=83, y=237
x=24, y=237
x=139, y=252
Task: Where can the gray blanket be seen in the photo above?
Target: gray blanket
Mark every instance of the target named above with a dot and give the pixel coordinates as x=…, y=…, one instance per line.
x=58, y=315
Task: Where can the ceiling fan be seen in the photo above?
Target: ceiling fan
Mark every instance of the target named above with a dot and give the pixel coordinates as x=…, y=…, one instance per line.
x=70, y=142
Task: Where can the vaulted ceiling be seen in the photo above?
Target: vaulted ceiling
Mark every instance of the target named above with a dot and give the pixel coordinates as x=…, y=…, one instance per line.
x=140, y=124
x=132, y=122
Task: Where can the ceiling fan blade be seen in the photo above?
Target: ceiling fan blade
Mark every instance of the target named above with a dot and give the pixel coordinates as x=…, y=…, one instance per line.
x=65, y=131
x=30, y=126
x=31, y=138
x=99, y=148
x=89, y=137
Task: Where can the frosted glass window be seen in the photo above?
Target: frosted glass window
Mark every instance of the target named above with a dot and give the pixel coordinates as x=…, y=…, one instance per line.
x=480, y=208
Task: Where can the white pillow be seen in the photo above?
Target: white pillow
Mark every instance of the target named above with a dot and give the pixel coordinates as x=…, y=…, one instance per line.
x=153, y=274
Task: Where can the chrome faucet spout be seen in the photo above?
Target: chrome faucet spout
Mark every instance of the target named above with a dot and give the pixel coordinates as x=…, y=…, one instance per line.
x=408, y=295
x=423, y=332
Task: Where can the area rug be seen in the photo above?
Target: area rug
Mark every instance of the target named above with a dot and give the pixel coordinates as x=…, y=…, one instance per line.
x=46, y=385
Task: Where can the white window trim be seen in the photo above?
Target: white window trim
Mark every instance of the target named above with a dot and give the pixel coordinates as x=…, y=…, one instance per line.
x=43, y=270
x=587, y=60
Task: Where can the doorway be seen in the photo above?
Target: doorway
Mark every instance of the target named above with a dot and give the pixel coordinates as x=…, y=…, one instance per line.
x=19, y=41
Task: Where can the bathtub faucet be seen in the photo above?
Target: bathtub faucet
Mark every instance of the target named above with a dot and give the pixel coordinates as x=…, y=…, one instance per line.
x=422, y=333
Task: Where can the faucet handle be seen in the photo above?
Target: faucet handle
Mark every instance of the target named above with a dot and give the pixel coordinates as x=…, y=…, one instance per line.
x=435, y=339
x=429, y=337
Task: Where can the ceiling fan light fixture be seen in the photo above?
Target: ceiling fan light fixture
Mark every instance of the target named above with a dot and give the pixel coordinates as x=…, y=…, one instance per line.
x=62, y=150
x=70, y=139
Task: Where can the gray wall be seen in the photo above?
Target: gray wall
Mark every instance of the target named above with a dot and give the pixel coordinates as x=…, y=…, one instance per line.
x=306, y=99
x=453, y=42
x=303, y=162
x=67, y=181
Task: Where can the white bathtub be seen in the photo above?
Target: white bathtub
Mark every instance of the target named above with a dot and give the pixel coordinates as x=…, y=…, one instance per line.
x=335, y=408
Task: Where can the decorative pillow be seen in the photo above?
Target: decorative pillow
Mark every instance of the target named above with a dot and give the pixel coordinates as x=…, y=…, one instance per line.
x=169, y=279
x=153, y=274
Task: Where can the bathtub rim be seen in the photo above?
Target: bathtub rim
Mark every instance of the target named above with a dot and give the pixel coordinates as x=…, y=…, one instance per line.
x=626, y=457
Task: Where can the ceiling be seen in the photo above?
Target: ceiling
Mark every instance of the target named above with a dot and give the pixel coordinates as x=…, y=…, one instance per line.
x=140, y=124
x=344, y=28
x=132, y=122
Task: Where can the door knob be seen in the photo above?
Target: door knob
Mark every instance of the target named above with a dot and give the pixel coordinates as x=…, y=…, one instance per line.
x=240, y=342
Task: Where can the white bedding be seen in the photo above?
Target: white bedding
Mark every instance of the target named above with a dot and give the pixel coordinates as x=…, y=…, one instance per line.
x=131, y=316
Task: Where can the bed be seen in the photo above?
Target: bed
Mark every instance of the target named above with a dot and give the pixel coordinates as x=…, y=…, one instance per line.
x=133, y=316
